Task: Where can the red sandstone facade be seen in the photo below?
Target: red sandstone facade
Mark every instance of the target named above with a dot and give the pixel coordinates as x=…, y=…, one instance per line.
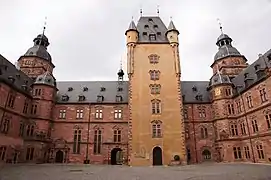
x=35, y=127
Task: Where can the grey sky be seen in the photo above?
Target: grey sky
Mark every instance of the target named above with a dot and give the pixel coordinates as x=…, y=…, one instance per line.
x=87, y=36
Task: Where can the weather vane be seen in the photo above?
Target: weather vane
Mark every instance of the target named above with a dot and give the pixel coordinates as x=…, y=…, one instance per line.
x=220, y=25
x=45, y=23
x=158, y=10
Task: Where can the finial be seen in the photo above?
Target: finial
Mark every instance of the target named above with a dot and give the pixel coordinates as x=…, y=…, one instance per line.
x=121, y=62
x=44, y=27
x=171, y=18
x=141, y=11
x=132, y=18
x=158, y=10
x=220, y=25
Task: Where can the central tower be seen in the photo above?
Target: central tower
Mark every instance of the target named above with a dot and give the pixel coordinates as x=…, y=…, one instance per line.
x=156, y=125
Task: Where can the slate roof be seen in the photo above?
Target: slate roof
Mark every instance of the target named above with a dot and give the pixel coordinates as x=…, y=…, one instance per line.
x=14, y=77
x=151, y=25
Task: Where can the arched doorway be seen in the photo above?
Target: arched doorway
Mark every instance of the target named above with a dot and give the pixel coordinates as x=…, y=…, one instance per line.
x=206, y=155
x=59, y=156
x=116, y=156
x=157, y=156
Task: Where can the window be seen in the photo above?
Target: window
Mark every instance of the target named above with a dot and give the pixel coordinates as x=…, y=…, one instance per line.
x=85, y=89
x=70, y=88
x=34, y=109
x=119, y=98
x=237, y=153
x=247, y=153
x=228, y=92
x=202, y=112
x=21, y=130
x=260, y=151
x=154, y=75
x=5, y=126
x=156, y=129
x=118, y=114
x=230, y=109
x=243, y=128
x=102, y=89
x=198, y=97
x=239, y=107
x=255, y=126
x=79, y=113
x=203, y=132
x=234, y=130
x=11, y=100
x=268, y=120
x=97, y=141
x=3, y=151
x=156, y=106
x=100, y=98
x=81, y=98
x=30, y=130
x=120, y=89
x=37, y=92
x=117, y=135
x=263, y=95
x=152, y=37
x=98, y=114
x=185, y=113
x=25, y=109
x=187, y=134
x=155, y=88
x=76, y=141
x=29, y=153
x=62, y=114
x=65, y=98
x=249, y=102
x=153, y=58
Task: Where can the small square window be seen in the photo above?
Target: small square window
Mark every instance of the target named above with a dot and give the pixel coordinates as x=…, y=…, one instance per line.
x=152, y=37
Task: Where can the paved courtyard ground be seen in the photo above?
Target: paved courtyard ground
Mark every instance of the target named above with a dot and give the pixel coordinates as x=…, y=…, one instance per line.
x=101, y=172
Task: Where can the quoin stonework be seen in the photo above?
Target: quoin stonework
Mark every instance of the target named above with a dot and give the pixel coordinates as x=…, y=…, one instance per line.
x=154, y=118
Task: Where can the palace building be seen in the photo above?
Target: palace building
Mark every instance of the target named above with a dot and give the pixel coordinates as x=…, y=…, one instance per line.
x=154, y=118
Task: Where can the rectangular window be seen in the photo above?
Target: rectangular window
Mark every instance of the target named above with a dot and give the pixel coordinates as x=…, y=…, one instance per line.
x=99, y=114
x=30, y=130
x=228, y=92
x=154, y=75
x=263, y=95
x=97, y=141
x=247, y=153
x=11, y=100
x=62, y=114
x=237, y=153
x=234, y=130
x=239, y=107
x=117, y=135
x=155, y=88
x=4, y=128
x=79, y=113
x=203, y=133
x=34, y=108
x=202, y=113
x=249, y=102
x=21, y=130
x=255, y=126
x=3, y=152
x=37, y=92
x=30, y=154
x=25, y=109
x=260, y=151
x=185, y=113
x=230, y=109
x=156, y=130
x=154, y=58
x=268, y=120
x=243, y=128
x=118, y=114
x=156, y=107
x=152, y=37
x=76, y=141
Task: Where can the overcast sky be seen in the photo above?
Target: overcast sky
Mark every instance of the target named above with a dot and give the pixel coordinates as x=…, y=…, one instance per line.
x=87, y=36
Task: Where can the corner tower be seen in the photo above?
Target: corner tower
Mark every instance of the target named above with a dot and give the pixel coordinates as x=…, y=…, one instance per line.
x=156, y=123
x=37, y=60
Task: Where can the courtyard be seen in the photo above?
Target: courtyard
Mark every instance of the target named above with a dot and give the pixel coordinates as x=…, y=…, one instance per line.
x=105, y=172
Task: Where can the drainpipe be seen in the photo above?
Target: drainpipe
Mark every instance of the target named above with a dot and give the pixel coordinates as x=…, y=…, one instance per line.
x=87, y=160
x=195, y=143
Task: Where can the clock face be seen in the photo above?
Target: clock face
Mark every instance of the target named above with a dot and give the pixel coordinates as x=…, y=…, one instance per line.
x=217, y=92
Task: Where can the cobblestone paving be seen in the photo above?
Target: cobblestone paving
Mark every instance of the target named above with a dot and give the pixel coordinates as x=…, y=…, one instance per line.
x=91, y=172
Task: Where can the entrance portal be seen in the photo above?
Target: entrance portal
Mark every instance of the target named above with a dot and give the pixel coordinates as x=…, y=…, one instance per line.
x=157, y=156
x=116, y=156
x=59, y=156
x=206, y=154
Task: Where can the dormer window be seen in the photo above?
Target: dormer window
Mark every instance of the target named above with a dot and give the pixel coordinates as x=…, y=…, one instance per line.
x=269, y=57
x=103, y=89
x=119, y=98
x=246, y=75
x=199, y=97
x=145, y=33
x=146, y=26
x=120, y=89
x=11, y=78
x=25, y=82
x=155, y=26
x=100, y=98
x=195, y=89
x=159, y=33
x=70, y=89
x=85, y=89
x=152, y=37
x=24, y=87
x=65, y=98
x=257, y=67
x=81, y=98
x=150, y=20
x=18, y=75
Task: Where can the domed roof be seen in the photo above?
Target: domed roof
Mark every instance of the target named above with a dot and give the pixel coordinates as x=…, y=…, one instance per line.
x=46, y=79
x=39, y=51
x=225, y=51
x=223, y=36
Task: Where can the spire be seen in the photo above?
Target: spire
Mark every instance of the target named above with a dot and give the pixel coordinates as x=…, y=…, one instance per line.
x=172, y=27
x=120, y=73
x=132, y=27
